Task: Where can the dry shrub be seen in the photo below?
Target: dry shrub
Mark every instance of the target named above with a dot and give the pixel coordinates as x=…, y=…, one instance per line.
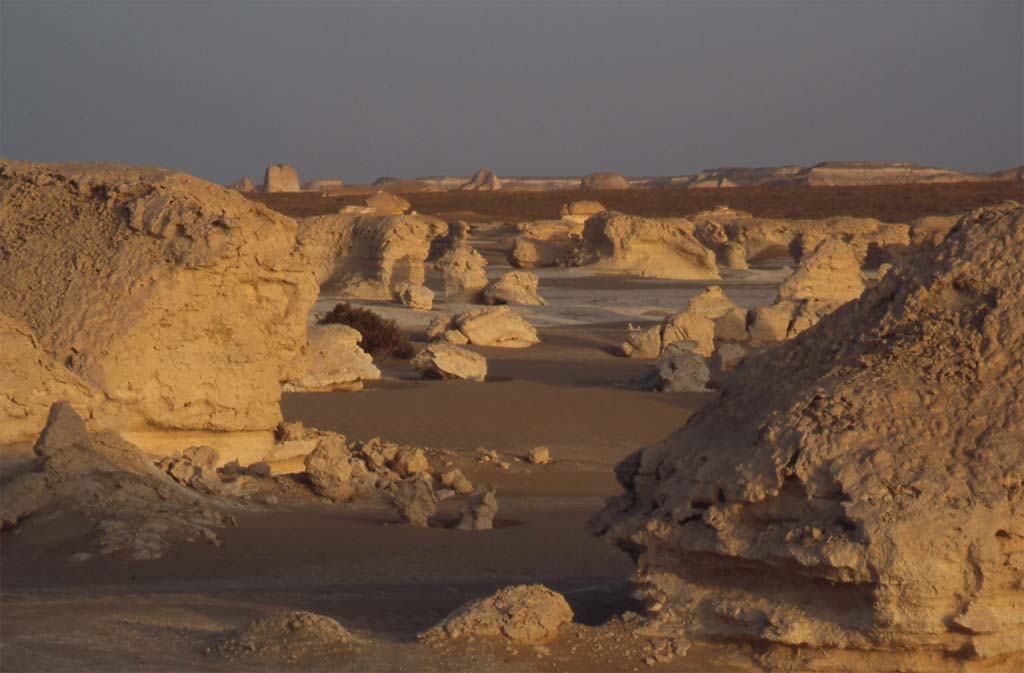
x=381, y=337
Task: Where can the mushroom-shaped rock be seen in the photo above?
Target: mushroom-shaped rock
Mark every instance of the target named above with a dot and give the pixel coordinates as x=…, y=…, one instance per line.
x=444, y=361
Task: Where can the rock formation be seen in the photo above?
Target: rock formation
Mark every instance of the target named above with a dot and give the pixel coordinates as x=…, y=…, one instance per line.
x=652, y=248
x=579, y=211
x=367, y=256
x=243, y=185
x=490, y=326
x=322, y=185
x=696, y=326
x=678, y=370
x=336, y=362
x=482, y=181
x=444, y=361
x=416, y=297
x=545, y=243
x=479, y=511
x=526, y=614
x=464, y=274
x=603, y=180
x=386, y=203
x=281, y=178
x=853, y=499
x=286, y=635
x=160, y=290
x=518, y=288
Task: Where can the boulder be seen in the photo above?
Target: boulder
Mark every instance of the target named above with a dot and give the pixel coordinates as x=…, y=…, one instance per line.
x=643, y=343
x=679, y=369
x=415, y=500
x=580, y=209
x=770, y=323
x=732, y=326
x=329, y=468
x=517, y=288
x=603, y=180
x=525, y=615
x=482, y=181
x=444, y=361
x=694, y=328
x=479, y=511
x=367, y=256
x=161, y=291
x=831, y=273
x=853, y=497
x=545, y=243
x=417, y=297
x=464, y=274
x=711, y=302
x=496, y=326
x=651, y=248
x=286, y=635
x=386, y=203
x=456, y=481
x=336, y=362
x=195, y=468
x=727, y=357
x=281, y=178
x=539, y=455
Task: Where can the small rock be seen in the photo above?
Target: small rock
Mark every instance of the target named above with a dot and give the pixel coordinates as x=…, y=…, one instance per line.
x=539, y=455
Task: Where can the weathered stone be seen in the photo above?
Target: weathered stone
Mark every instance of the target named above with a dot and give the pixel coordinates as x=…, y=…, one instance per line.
x=416, y=297
x=415, y=500
x=516, y=287
x=651, y=248
x=525, y=614
x=604, y=180
x=732, y=326
x=336, y=361
x=464, y=274
x=329, y=469
x=444, y=361
x=479, y=511
x=386, y=203
x=496, y=326
x=280, y=178
x=482, y=181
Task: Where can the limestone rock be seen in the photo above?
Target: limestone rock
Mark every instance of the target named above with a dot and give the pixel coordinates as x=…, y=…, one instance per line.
x=367, y=256
x=539, y=455
x=289, y=635
x=496, y=326
x=479, y=511
x=329, y=468
x=195, y=468
x=544, y=243
x=651, y=248
x=604, y=180
x=581, y=208
x=415, y=500
x=336, y=361
x=732, y=255
x=386, y=203
x=322, y=185
x=679, y=369
x=455, y=480
x=695, y=328
x=831, y=273
x=710, y=302
x=417, y=297
x=771, y=323
x=281, y=178
x=525, y=614
x=444, y=361
x=727, y=357
x=464, y=274
x=243, y=185
x=482, y=181
x=854, y=494
x=138, y=510
x=931, y=229
x=643, y=343
x=160, y=290
x=516, y=287
x=732, y=326
x=456, y=236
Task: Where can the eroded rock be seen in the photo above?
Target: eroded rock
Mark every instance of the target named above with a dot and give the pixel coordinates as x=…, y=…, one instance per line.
x=336, y=362
x=517, y=288
x=444, y=361
x=525, y=614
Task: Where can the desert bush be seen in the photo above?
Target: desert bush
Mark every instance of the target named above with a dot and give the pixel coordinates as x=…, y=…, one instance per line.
x=381, y=337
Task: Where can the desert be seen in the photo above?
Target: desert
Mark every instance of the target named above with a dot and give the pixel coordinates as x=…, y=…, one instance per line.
x=597, y=397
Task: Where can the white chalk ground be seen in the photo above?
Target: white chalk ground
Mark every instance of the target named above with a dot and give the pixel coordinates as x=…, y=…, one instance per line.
x=583, y=297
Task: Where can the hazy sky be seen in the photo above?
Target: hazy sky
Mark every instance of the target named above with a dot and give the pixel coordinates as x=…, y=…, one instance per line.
x=361, y=90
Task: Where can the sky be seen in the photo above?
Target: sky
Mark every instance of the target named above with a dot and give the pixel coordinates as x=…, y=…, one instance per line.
x=360, y=90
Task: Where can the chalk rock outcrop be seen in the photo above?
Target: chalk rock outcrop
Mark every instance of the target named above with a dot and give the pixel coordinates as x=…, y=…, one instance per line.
x=386, y=203
x=482, y=181
x=490, y=326
x=603, y=180
x=678, y=370
x=545, y=243
x=516, y=287
x=526, y=614
x=243, y=185
x=695, y=327
x=579, y=211
x=322, y=185
x=463, y=273
x=160, y=290
x=416, y=297
x=853, y=499
x=444, y=361
x=653, y=248
x=281, y=178
x=367, y=256
x=336, y=362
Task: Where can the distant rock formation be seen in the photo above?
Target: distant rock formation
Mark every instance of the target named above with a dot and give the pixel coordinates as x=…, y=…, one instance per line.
x=482, y=181
x=281, y=178
x=243, y=185
x=838, y=173
x=322, y=185
x=386, y=203
x=603, y=180
x=852, y=499
x=160, y=290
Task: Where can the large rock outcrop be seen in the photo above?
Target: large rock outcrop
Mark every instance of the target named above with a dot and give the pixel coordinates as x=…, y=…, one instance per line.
x=853, y=499
x=179, y=300
x=603, y=180
x=654, y=248
x=281, y=178
x=368, y=256
x=463, y=274
x=336, y=362
x=482, y=181
x=545, y=242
